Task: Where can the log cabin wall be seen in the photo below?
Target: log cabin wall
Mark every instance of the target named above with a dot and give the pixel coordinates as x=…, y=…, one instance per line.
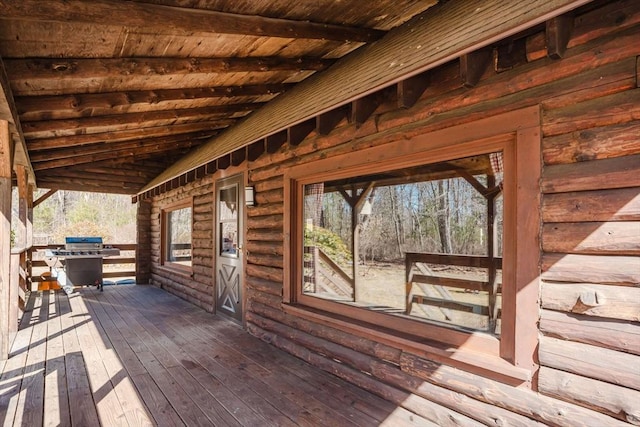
x=196, y=287
x=589, y=346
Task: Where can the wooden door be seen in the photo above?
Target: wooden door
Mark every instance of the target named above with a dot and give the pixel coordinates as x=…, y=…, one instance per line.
x=229, y=238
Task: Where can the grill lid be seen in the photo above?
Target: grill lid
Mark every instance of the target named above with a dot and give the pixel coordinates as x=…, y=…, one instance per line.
x=83, y=243
x=68, y=240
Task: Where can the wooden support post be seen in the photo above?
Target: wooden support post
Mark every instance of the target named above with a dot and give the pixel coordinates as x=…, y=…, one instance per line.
x=6, y=164
x=356, y=201
x=143, y=242
x=21, y=228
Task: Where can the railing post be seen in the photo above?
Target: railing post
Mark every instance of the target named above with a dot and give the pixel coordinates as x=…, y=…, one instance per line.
x=6, y=164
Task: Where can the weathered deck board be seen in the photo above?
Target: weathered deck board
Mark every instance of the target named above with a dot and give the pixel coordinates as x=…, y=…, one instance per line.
x=138, y=356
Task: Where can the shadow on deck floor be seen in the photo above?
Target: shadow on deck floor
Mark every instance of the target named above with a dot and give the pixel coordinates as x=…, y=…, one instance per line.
x=136, y=355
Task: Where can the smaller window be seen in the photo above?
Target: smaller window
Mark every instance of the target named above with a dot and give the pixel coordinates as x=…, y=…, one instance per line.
x=176, y=226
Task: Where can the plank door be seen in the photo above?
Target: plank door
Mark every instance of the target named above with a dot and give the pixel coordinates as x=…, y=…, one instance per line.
x=229, y=238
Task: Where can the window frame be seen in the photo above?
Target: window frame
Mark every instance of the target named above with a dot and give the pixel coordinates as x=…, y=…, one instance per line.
x=517, y=135
x=164, y=216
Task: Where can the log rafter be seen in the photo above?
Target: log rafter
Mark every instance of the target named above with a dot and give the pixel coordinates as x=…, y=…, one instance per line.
x=175, y=20
x=32, y=129
x=85, y=101
x=74, y=140
x=31, y=69
x=158, y=144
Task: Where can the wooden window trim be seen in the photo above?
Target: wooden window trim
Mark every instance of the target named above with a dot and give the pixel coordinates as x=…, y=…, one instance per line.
x=512, y=356
x=164, y=211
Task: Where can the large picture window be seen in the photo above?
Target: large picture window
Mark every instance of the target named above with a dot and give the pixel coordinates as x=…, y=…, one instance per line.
x=176, y=227
x=422, y=242
x=432, y=247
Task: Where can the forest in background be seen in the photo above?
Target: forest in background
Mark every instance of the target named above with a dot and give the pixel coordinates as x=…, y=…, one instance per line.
x=73, y=213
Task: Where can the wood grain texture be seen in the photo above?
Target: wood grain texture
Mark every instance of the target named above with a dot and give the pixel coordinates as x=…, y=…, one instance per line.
x=609, y=333
x=596, y=205
x=618, y=172
x=398, y=56
x=165, y=19
x=604, y=238
x=592, y=144
x=591, y=362
x=622, y=270
x=619, y=402
x=614, y=302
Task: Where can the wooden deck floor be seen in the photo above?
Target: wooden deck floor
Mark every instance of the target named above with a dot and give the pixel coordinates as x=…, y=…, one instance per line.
x=136, y=355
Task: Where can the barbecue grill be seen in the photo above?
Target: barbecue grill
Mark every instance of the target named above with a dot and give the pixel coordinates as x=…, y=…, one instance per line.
x=80, y=262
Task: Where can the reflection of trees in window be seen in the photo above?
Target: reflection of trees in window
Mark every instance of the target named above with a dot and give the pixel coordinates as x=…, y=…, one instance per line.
x=449, y=208
x=179, y=236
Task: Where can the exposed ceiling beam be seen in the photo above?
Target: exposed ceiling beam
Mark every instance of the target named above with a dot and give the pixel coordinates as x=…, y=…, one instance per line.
x=71, y=141
x=67, y=173
x=89, y=125
x=173, y=20
x=70, y=156
x=441, y=34
x=9, y=113
x=119, y=157
x=82, y=102
x=29, y=70
x=108, y=186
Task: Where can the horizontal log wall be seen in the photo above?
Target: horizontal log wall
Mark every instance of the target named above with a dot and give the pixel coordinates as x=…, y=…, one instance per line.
x=196, y=287
x=589, y=350
x=591, y=212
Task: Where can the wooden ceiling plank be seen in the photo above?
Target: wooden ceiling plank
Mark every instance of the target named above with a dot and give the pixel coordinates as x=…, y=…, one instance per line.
x=456, y=28
x=139, y=134
x=174, y=20
x=86, y=101
x=85, y=124
x=33, y=69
